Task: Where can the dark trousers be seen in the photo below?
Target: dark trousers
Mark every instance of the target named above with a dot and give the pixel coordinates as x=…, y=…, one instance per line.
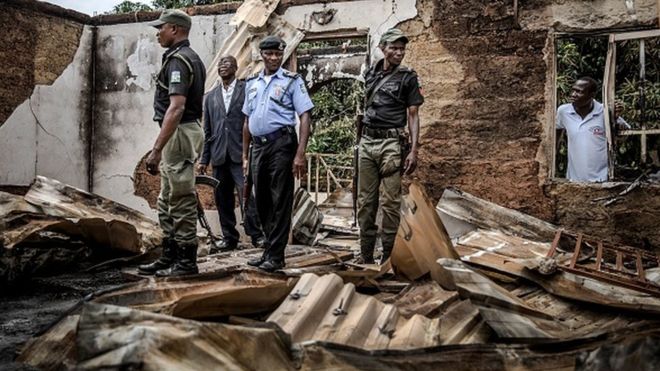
x=271, y=167
x=230, y=175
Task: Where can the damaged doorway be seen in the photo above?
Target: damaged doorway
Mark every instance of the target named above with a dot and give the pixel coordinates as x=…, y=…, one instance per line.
x=627, y=70
x=332, y=65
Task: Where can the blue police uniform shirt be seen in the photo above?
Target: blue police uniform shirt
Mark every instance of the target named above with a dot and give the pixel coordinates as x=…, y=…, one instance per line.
x=264, y=114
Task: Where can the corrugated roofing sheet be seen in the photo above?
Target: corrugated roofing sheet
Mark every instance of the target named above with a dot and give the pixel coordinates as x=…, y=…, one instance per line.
x=324, y=308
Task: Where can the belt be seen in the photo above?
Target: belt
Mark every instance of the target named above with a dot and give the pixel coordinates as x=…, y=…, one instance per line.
x=270, y=137
x=383, y=133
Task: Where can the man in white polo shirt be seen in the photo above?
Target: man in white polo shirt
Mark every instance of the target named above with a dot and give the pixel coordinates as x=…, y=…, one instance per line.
x=584, y=122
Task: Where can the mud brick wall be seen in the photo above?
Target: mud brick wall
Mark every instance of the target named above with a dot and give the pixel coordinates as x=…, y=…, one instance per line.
x=484, y=84
x=487, y=80
x=40, y=41
x=633, y=219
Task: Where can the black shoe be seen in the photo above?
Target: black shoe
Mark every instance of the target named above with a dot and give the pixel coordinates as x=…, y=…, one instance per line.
x=271, y=266
x=260, y=242
x=256, y=262
x=185, y=265
x=364, y=260
x=177, y=270
x=166, y=260
x=223, y=245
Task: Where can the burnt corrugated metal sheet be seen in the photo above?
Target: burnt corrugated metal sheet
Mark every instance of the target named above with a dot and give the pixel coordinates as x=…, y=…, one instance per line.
x=421, y=239
x=324, y=308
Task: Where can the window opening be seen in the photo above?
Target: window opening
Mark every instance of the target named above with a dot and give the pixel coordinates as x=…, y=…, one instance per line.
x=627, y=67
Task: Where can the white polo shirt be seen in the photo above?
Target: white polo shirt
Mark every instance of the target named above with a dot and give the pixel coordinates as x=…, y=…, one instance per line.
x=587, y=143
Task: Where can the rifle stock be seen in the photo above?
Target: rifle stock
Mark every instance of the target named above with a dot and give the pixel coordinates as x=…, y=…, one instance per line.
x=356, y=169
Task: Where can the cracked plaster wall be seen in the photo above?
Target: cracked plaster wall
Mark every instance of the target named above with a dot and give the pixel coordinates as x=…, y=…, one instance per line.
x=127, y=56
x=47, y=133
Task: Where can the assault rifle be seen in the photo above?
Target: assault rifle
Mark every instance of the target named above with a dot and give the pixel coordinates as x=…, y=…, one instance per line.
x=213, y=183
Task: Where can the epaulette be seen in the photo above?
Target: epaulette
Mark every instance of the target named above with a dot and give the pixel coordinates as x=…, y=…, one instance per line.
x=290, y=74
x=252, y=77
x=406, y=69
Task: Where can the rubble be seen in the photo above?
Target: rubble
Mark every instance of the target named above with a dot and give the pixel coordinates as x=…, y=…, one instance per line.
x=481, y=288
x=55, y=224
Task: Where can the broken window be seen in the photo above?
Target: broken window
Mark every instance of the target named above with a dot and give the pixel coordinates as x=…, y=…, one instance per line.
x=627, y=68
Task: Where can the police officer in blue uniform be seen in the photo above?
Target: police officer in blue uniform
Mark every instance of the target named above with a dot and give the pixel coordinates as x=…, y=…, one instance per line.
x=273, y=99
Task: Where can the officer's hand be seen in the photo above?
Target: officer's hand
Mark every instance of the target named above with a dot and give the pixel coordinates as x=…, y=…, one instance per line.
x=410, y=164
x=299, y=165
x=153, y=160
x=201, y=168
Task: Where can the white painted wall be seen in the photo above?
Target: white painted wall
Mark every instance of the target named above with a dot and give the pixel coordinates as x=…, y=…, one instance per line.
x=375, y=15
x=125, y=129
x=45, y=135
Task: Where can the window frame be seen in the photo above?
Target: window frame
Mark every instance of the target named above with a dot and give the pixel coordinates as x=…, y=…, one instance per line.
x=608, y=94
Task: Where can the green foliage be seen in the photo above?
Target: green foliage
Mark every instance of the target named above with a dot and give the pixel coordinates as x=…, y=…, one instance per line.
x=335, y=108
x=585, y=56
x=130, y=7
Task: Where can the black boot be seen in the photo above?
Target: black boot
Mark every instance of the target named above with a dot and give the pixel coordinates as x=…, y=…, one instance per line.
x=388, y=245
x=185, y=265
x=166, y=260
x=366, y=255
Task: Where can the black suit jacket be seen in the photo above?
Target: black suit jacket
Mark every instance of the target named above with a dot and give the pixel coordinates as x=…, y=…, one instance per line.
x=223, y=130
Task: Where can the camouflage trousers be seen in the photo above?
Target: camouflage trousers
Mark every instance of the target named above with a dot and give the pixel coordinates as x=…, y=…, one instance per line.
x=379, y=164
x=177, y=204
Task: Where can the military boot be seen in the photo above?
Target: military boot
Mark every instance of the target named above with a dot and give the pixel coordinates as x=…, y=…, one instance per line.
x=388, y=245
x=185, y=265
x=366, y=255
x=166, y=260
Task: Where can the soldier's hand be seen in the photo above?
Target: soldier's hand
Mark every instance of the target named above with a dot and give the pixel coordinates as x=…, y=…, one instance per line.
x=153, y=160
x=410, y=164
x=299, y=165
x=201, y=168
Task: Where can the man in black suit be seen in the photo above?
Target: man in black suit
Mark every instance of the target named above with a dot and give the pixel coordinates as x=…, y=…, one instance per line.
x=223, y=149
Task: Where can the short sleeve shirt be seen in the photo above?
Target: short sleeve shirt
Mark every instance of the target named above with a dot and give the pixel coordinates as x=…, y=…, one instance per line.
x=271, y=105
x=389, y=107
x=180, y=80
x=587, y=143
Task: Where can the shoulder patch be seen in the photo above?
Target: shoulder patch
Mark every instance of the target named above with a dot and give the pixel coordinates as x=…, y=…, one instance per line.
x=290, y=74
x=175, y=77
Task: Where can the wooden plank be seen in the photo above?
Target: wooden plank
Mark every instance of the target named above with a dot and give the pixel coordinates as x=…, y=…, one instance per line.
x=640, y=267
x=555, y=243
x=576, y=252
x=599, y=255
x=635, y=35
x=640, y=132
x=608, y=101
x=346, y=33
